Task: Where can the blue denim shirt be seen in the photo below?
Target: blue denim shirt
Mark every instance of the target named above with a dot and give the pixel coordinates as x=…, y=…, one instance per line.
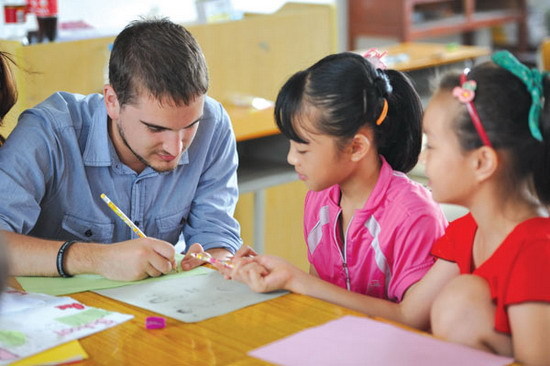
x=59, y=159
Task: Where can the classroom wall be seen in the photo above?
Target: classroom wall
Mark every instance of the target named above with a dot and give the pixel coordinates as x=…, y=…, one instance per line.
x=93, y=12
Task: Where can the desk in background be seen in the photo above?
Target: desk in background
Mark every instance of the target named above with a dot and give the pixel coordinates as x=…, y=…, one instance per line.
x=421, y=56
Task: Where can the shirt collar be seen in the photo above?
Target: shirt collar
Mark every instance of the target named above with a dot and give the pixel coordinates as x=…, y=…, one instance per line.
x=377, y=195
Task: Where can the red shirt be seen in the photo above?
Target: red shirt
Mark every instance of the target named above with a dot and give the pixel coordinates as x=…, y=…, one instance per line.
x=519, y=269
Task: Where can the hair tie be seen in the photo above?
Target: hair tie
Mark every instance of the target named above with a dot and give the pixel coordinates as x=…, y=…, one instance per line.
x=466, y=94
x=374, y=56
x=532, y=78
x=383, y=114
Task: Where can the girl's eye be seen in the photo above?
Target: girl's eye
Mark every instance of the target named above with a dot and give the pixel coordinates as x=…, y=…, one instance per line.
x=301, y=151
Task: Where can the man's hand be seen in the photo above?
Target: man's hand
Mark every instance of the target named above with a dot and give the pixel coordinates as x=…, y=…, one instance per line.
x=136, y=259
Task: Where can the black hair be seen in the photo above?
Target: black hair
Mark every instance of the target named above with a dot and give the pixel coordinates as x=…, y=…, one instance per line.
x=503, y=102
x=8, y=89
x=159, y=57
x=349, y=93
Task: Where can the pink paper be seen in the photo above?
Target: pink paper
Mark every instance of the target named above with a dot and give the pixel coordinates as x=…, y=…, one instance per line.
x=354, y=340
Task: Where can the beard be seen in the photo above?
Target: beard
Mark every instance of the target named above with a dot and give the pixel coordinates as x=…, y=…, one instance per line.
x=138, y=156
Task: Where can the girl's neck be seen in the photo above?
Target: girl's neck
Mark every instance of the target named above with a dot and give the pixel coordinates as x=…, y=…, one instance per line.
x=357, y=188
x=496, y=219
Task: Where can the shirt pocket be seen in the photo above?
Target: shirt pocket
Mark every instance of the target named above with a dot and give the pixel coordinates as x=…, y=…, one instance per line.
x=169, y=227
x=87, y=230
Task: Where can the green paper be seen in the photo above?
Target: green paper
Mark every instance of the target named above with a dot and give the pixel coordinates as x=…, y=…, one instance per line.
x=12, y=338
x=90, y=282
x=83, y=317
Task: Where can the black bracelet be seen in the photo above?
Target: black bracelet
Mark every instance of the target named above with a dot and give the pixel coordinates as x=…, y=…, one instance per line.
x=61, y=257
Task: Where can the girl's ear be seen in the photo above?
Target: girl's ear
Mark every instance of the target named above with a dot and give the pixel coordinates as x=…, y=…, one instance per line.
x=360, y=145
x=485, y=163
x=111, y=102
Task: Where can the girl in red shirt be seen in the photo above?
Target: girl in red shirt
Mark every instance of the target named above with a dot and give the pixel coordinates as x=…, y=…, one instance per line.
x=489, y=150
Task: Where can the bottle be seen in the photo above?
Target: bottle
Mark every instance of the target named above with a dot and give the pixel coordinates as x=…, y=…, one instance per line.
x=46, y=16
x=14, y=20
x=31, y=25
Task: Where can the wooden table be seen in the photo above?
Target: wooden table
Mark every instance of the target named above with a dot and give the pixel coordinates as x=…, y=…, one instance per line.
x=430, y=55
x=223, y=340
x=249, y=123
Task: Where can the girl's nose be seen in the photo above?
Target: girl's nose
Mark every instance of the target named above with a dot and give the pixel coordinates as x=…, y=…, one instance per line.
x=291, y=156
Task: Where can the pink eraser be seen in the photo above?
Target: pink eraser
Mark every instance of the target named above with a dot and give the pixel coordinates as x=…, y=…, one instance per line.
x=155, y=322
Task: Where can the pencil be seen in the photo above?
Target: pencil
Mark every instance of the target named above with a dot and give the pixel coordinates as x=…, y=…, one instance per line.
x=207, y=258
x=121, y=214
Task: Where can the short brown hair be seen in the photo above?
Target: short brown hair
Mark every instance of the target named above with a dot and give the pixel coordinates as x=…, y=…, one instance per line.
x=158, y=57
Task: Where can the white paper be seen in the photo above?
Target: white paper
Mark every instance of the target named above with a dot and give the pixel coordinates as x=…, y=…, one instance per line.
x=12, y=301
x=190, y=299
x=31, y=323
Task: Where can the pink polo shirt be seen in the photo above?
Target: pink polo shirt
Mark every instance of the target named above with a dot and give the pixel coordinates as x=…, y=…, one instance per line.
x=387, y=243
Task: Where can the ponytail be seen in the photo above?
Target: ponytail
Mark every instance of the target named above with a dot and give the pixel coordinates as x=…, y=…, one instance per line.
x=399, y=137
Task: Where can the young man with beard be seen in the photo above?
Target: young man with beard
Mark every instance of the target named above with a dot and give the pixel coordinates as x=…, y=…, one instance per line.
x=154, y=143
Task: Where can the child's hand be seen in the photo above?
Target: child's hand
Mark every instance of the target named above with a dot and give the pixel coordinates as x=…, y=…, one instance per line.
x=264, y=273
x=244, y=253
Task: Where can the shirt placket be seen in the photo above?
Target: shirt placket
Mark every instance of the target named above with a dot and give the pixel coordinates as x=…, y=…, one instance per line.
x=136, y=204
x=342, y=250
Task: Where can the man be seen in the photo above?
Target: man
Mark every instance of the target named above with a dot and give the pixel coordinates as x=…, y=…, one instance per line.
x=154, y=143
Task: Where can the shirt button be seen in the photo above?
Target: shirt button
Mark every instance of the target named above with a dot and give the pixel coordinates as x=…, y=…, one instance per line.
x=88, y=233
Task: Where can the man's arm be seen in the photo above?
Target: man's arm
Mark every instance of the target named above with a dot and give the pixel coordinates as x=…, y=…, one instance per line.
x=125, y=261
x=211, y=222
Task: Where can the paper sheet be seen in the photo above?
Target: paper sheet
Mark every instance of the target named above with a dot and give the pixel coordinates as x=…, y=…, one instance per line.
x=65, y=353
x=89, y=282
x=190, y=299
x=50, y=322
x=354, y=340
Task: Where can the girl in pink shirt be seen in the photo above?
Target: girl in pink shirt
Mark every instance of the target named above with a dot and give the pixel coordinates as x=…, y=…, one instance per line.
x=488, y=149
x=355, y=130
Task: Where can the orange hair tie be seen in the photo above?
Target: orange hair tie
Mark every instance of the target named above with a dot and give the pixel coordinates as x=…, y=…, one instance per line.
x=383, y=114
